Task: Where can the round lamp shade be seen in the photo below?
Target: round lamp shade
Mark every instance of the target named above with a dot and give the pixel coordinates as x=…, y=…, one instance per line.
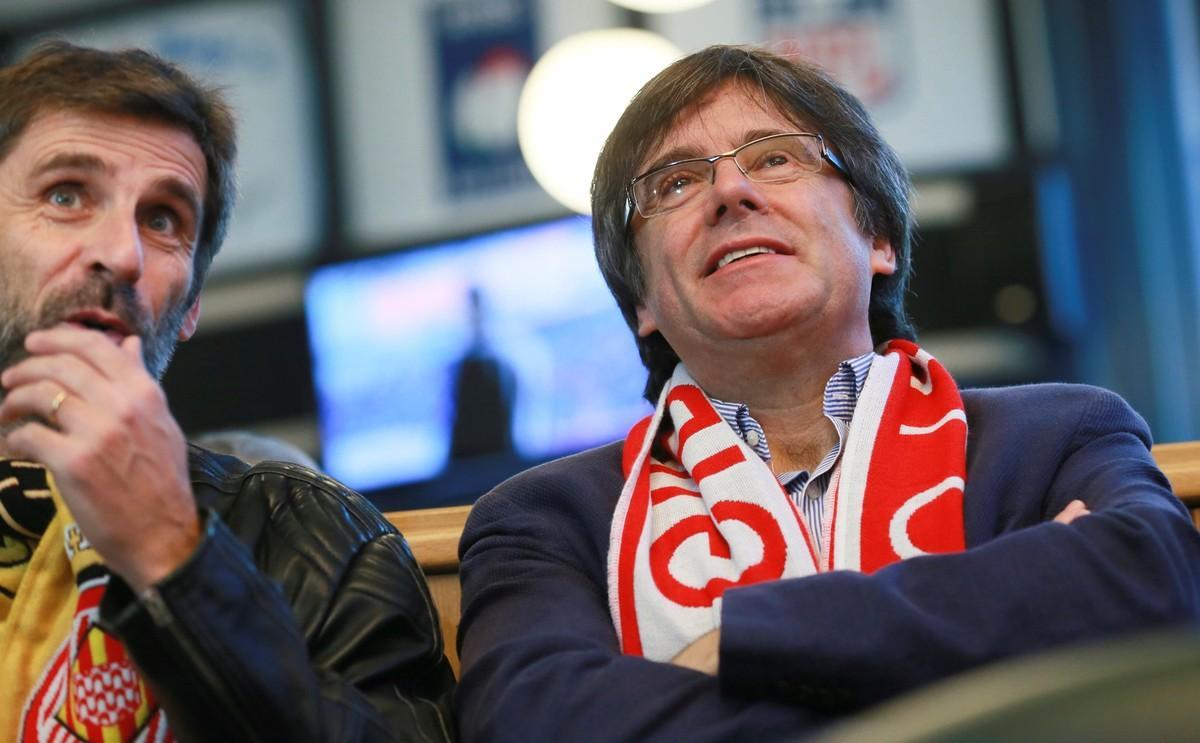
x=660, y=6
x=572, y=99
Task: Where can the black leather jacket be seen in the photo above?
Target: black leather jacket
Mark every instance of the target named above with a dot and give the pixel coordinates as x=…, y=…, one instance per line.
x=302, y=616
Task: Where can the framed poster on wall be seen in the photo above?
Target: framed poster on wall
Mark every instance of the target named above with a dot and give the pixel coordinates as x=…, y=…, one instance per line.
x=426, y=94
x=258, y=53
x=930, y=71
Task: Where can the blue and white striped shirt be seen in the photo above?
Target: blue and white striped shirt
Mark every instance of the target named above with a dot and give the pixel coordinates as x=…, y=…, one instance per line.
x=807, y=489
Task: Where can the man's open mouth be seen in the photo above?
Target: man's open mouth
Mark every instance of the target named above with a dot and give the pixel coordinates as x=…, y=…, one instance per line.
x=105, y=322
x=735, y=255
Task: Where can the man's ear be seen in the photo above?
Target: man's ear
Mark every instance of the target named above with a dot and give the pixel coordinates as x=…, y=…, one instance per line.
x=646, y=324
x=883, y=256
x=190, y=320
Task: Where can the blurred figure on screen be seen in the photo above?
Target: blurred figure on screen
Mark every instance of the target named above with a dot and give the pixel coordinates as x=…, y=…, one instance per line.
x=151, y=590
x=484, y=393
x=815, y=517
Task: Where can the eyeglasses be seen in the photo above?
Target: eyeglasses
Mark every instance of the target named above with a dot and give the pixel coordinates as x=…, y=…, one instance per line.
x=778, y=158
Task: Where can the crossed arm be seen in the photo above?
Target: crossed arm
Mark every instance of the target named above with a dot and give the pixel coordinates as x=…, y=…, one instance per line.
x=704, y=654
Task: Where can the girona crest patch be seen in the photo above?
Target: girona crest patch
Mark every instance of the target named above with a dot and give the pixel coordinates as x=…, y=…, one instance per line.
x=91, y=690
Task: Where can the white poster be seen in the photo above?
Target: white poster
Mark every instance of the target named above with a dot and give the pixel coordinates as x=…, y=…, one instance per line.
x=256, y=52
x=930, y=71
x=388, y=72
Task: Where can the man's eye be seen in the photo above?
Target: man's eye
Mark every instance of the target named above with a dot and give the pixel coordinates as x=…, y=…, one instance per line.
x=65, y=197
x=162, y=221
x=775, y=160
x=675, y=182
x=678, y=183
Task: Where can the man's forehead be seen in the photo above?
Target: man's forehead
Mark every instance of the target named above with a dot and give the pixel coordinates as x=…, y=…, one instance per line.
x=729, y=115
x=111, y=135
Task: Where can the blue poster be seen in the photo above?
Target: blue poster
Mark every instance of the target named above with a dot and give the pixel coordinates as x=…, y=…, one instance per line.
x=485, y=49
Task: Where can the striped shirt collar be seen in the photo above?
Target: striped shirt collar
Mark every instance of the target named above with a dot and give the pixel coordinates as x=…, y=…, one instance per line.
x=841, y=397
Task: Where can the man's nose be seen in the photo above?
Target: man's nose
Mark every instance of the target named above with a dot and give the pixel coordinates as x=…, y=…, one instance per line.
x=732, y=195
x=116, y=247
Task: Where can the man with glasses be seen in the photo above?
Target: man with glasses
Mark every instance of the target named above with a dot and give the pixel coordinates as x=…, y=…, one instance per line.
x=740, y=565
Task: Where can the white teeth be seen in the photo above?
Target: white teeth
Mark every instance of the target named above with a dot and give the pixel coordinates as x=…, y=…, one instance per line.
x=731, y=257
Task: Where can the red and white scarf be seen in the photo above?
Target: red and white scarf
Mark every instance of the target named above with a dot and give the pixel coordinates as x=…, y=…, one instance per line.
x=710, y=515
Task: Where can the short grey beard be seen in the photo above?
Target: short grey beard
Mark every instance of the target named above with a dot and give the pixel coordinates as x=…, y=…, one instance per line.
x=158, y=340
x=158, y=346
x=14, y=326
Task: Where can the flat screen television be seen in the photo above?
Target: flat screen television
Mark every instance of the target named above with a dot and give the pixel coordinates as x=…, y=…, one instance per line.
x=442, y=369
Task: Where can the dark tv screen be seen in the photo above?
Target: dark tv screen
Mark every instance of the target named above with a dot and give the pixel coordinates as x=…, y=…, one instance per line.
x=444, y=368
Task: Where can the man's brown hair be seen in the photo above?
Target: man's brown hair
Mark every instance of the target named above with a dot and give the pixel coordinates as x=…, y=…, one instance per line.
x=59, y=76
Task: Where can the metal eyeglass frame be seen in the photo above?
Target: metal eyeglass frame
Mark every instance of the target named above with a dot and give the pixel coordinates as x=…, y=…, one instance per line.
x=826, y=154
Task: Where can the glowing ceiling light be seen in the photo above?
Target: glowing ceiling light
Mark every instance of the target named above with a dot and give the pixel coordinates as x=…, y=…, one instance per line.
x=572, y=100
x=660, y=6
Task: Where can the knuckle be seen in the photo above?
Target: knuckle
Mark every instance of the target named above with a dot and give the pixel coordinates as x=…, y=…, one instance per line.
x=109, y=437
x=125, y=414
x=147, y=394
x=78, y=460
x=17, y=440
x=148, y=405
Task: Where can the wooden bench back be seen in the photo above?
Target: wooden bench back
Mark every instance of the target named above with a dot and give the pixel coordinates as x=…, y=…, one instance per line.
x=433, y=533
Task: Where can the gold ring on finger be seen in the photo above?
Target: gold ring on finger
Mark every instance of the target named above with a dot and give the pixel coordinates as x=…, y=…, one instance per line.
x=55, y=404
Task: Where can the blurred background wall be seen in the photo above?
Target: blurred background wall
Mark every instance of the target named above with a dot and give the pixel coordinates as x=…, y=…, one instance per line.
x=1054, y=144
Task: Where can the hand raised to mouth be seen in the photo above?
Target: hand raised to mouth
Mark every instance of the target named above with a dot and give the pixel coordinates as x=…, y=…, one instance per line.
x=117, y=455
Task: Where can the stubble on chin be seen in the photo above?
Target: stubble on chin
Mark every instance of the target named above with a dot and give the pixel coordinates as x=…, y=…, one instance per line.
x=159, y=340
x=15, y=324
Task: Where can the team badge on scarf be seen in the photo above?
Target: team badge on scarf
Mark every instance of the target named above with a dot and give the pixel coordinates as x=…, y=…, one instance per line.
x=91, y=690
x=701, y=513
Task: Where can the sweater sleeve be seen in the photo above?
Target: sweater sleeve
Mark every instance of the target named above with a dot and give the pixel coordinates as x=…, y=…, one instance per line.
x=1134, y=563
x=540, y=655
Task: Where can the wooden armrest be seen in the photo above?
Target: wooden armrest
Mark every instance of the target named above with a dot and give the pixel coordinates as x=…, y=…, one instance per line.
x=1181, y=464
x=433, y=535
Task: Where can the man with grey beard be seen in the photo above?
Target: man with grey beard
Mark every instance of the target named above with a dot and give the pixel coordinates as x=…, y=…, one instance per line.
x=150, y=590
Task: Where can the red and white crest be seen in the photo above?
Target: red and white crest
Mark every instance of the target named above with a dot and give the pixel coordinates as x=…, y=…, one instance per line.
x=90, y=690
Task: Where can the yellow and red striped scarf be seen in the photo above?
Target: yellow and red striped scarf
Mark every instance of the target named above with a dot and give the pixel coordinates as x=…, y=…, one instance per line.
x=64, y=678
